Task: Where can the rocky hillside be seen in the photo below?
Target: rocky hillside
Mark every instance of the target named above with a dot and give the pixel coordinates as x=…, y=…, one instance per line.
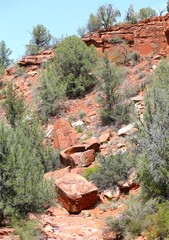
x=80, y=135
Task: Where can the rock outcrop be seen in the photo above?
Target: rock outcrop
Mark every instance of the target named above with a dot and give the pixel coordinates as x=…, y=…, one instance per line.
x=147, y=36
x=37, y=59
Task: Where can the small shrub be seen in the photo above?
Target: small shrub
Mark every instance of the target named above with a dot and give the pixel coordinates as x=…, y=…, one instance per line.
x=132, y=91
x=2, y=71
x=89, y=171
x=20, y=71
x=27, y=229
x=141, y=75
x=134, y=220
x=79, y=129
x=112, y=169
x=103, y=207
x=135, y=58
x=153, y=139
x=159, y=227
x=116, y=40
x=82, y=114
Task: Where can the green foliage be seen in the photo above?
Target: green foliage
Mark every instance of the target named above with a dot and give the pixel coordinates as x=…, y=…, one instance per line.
x=113, y=169
x=26, y=229
x=2, y=71
x=135, y=58
x=50, y=94
x=50, y=158
x=23, y=161
x=22, y=186
x=81, y=31
x=74, y=62
x=107, y=15
x=4, y=55
x=121, y=54
x=93, y=24
x=40, y=40
x=131, y=15
x=153, y=138
x=116, y=40
x=109, y=78
x=168, y=6
x=89, y=171
x=146, y=13
x=159, y=228
x=133, y=221
x=14, y=105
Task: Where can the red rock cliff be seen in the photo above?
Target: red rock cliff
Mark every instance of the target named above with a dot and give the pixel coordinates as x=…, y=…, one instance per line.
x=147, y=36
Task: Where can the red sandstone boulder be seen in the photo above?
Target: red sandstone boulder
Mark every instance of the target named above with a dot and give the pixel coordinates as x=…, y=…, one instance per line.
x=82, y=159
x=76, y=193
x=79, y=155
x=65, y=155
x=64, y=135
x=57, y=174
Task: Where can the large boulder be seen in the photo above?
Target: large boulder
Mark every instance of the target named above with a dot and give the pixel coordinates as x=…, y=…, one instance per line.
x=76, y=193
x=79, y=155
x=64, y=134
x=57, y=174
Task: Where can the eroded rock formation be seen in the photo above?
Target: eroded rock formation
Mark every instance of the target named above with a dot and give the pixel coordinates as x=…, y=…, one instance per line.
x=147, y=36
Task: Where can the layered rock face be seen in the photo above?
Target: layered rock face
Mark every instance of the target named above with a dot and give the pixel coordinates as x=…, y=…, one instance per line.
x=37, y=59
x=146, y=37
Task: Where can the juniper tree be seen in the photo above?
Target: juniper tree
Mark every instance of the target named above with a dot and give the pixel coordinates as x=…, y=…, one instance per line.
x=74, y=62
x=23, y=160
x=41, y=38
x=5, y=52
